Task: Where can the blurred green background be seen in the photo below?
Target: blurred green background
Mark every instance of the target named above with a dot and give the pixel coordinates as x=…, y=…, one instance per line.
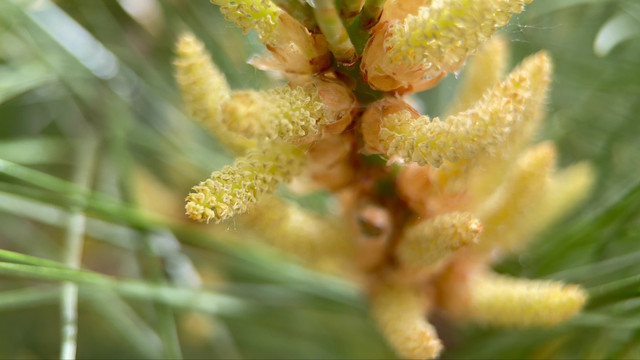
x=97, y=153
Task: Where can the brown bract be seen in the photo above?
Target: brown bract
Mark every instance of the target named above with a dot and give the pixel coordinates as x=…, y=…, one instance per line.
x=371, y=121
x=297, y=50
x=382, y=74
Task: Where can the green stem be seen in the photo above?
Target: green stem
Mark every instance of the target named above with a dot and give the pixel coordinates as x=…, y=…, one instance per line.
x=300, y=11
x=204, y=301
x=31, y=296
x=335, y=32
x=613, y=291
x=27, y=259
x=121, y=316
x=371, y=13
x=152, y=266
x=73, y=241
x=350, y=9
x=99, y=202
x=261, y=266
x=151, y=262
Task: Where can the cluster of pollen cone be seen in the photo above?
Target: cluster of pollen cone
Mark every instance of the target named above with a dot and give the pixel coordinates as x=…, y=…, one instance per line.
x=426, y=204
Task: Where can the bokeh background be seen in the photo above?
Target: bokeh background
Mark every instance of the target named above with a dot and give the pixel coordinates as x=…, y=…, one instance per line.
x=97, y=153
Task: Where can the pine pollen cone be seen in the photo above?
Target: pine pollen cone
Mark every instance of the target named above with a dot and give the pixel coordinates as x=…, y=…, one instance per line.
x=426, y=205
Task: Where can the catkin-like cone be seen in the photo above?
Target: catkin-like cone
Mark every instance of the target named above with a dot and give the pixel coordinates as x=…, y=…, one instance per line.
x=562, y=191
x=567, y=188
x=340, y=104
x=401, y=315
x=319, y=242
x=434, y=41
x=480, y=129
x=429, y=242
x=372, y=119
x=481, y=175
x=505, y=212
x=380, y=74
x=510, y=302
x=483, y=70
x=204, y=90
x=230, y=191
x=283, y=113
x=444, y=33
